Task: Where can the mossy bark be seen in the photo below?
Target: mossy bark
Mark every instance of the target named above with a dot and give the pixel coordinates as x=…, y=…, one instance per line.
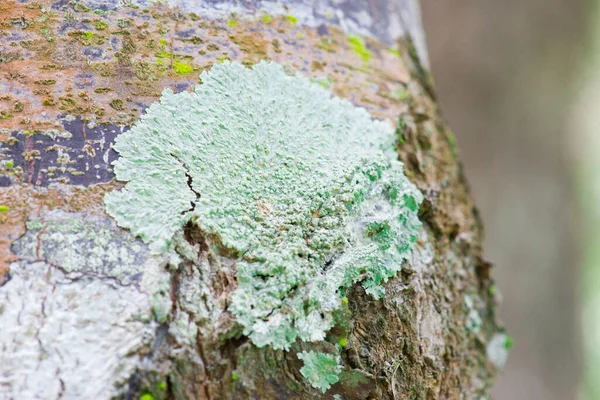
x=74, y=77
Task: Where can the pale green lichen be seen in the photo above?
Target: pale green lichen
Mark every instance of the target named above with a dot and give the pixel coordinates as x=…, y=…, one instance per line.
x=497, y=349
x=321, y=370
x=473, y=321
x=303, y=188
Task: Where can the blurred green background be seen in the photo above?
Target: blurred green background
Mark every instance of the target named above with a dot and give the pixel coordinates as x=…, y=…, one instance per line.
x=519, y=84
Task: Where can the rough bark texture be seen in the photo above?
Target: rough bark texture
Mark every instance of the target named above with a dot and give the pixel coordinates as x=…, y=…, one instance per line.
x=506, y=74
x=87, y=310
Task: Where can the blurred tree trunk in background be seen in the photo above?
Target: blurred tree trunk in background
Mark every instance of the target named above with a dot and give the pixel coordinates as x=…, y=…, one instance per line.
x=504, y=72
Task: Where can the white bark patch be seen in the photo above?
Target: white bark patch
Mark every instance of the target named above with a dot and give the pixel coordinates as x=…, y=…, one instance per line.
x=69, y=339
x=84, y=245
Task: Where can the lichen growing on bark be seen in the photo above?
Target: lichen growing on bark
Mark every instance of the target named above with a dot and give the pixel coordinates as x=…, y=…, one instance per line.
x=303, y=188
x=321, y=369
x=83, y=245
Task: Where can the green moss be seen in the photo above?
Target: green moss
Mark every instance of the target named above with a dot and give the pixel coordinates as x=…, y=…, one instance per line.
x=47, y=34
x=292, y=19
x=9, y=164
x=326, y=82
x=288, y=177
x=181, y=67
x=357, y=44
x=144, y=71
x=401, y=132
x=87, y=37
x=45, y=82
x=395, y=53
x=266, y=19
x=117, y=104
x=401, y=94
x=80, y=7
x=321, y=370
x=100, y=25
x=232, y=23
x=509, y=342
x=452, y=142
x=3, y=208
x=146, y=396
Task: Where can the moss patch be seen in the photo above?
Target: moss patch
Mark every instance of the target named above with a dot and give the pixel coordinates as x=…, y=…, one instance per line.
x=357, y=44
x=181, y=67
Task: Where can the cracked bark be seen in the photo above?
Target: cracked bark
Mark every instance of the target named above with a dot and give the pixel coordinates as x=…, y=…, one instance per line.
x=138, y=326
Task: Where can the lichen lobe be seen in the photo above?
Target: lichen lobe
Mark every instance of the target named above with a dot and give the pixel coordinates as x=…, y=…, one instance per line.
x=304, y=187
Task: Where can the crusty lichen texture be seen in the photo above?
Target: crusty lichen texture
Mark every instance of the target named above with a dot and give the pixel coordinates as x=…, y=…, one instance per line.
x=301, y=187
x=321, y=369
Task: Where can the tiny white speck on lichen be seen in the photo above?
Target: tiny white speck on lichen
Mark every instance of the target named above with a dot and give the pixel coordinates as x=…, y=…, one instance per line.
x=304, y=187
x=321, y=370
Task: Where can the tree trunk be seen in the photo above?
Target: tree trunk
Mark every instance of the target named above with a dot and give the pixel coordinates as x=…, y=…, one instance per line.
x=89, y=310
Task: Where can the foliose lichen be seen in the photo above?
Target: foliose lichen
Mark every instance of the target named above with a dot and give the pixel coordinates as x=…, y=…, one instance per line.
x=303, y=188
x=321, y=370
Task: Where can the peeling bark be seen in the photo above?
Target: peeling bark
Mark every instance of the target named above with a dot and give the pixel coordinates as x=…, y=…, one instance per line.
x=90, y=312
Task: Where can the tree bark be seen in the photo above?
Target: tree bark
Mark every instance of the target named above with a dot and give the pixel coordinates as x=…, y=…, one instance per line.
x=87, y=311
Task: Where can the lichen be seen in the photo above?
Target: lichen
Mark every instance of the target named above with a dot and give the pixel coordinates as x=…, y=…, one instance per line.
x=83, y=245
x=497, y=349
x=320, y=369
x=473, y=321
x=303, y=188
